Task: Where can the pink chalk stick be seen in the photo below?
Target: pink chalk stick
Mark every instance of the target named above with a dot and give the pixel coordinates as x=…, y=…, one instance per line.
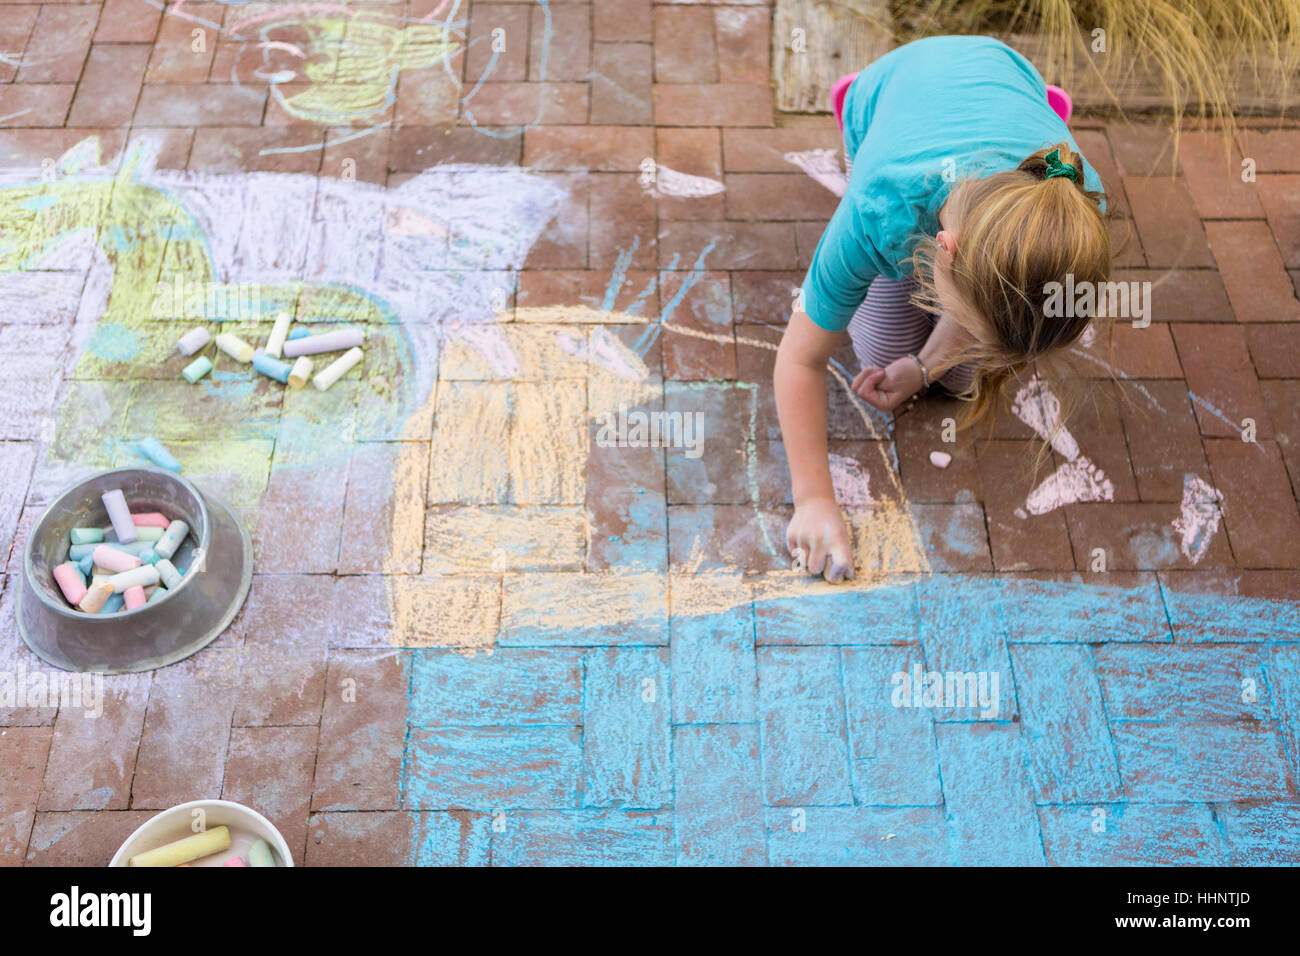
x=339, y=341
x=133, y=598
x=68, y=578
x=107, y=556
x=235, y=861
x=150, y=519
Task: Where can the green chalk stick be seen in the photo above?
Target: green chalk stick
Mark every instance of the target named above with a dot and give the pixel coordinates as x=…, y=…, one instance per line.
x=260, y=854
x=200, y=367
x=86, y=535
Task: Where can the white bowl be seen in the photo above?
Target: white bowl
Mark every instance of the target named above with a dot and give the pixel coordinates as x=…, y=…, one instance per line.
x=246, y=827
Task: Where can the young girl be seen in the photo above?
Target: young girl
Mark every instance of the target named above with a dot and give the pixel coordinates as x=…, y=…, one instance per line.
x=966, y=197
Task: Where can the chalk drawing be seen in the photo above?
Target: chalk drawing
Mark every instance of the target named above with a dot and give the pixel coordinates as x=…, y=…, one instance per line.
x=669, y=183
x=1077, y=480
x=336, y=65
x=822, y=165
x=1201, y=512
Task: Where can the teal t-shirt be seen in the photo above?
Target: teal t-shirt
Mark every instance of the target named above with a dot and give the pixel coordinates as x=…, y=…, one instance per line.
x=920, y=118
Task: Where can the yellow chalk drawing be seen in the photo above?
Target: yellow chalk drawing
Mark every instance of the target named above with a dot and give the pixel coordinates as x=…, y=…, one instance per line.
x=340, y=67
x=521, y=390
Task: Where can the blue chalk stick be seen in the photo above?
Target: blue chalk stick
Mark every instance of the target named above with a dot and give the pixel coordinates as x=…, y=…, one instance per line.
x=298, y=332
x=148, y=556
x=79, y=551
x=113, y=604
x=271, y=367
x=152, y=449
x=85, y=564
x=158, y=594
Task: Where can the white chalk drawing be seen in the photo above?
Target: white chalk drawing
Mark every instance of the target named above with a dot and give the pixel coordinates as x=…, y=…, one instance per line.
x=1077, y=480
x=671, y=184
x=1201, y=512
x=822, y=165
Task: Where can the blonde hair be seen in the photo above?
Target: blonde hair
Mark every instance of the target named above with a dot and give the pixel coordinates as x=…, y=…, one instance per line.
x=1019, y=231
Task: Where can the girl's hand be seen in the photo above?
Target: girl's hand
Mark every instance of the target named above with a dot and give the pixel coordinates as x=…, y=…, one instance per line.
x=818, y=537
x=887, y=388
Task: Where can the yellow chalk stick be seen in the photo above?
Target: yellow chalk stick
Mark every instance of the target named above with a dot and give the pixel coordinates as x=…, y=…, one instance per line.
x=183, y=851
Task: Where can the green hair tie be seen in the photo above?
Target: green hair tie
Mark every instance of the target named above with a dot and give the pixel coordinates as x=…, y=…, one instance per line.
x=1057, y=168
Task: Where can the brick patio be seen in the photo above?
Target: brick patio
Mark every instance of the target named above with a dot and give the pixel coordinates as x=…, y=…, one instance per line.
x=568, y=653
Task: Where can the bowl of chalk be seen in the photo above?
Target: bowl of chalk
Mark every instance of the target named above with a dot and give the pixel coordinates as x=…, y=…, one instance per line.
x=129, y=570
x=205, y=833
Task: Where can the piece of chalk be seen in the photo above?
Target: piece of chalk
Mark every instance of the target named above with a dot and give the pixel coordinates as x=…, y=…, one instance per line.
x=136, y=548
x=133, y=598
x=86, y=535
x=271, y=367
x=300, y=372
x=167, y=573
x=940, y=459
x=325, y=342
x=137, y=577
x=279, y=332
x=68, y=578
x=115, y=559
x=200, y=367
x=235, y=861
x=113, y=604
x=150, y=519
x=85, y=565
x=235, y=347
x=158, y=594
x=336, y=369
x=193, y=340
x=152, y=449
x=184, y=850
x=149, y=532
x=260, y=854
x=148, y=556
x=78, y=552
x=171, y=540
x=96, y=597
x=120, y=515
x=301, y=332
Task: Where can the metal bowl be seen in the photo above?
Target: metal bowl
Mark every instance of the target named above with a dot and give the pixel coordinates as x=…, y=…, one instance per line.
x=217, y=558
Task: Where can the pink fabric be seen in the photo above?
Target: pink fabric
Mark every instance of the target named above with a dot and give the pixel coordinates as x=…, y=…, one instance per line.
x=1060, y=102
x=838, y=92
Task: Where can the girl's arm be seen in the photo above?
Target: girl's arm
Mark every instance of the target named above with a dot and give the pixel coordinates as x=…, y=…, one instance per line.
x=887, y=388
x=817, y=528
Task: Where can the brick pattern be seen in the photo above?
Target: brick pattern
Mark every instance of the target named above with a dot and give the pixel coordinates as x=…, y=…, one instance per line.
x=694, y=737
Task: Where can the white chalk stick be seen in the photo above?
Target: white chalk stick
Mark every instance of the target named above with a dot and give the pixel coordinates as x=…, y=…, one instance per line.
x=279, y=332
x=140, y=577
x=336, y=369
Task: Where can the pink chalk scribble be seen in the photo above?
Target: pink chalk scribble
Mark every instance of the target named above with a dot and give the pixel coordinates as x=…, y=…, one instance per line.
x=1201, y=513
x=852, y=484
